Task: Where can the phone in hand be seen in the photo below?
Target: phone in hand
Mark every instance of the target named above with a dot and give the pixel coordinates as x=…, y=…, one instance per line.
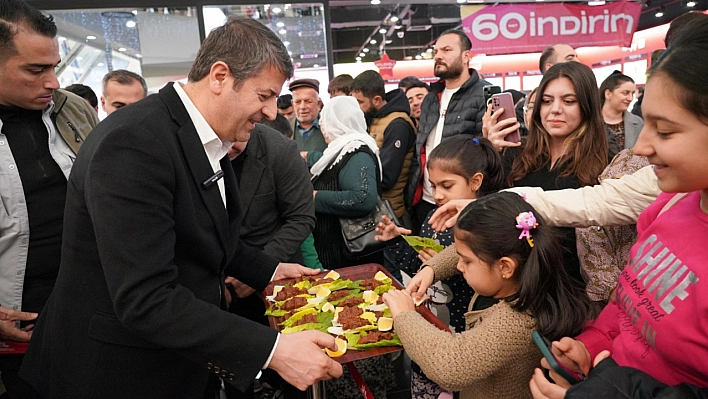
x=506, y=101
x=489, y=91
x=545, y=346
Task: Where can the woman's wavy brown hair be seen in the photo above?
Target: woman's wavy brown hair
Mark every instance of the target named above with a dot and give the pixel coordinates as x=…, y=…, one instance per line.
x=586, y=152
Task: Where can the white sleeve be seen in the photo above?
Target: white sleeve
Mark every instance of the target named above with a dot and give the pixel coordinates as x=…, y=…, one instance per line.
x=612, y=202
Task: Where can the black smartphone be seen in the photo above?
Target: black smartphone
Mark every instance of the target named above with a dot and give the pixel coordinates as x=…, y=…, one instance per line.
x=545, y=346
x=489, y=91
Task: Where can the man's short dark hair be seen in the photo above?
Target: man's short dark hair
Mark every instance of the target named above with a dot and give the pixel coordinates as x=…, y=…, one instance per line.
x=281, y=124
x=406, y=82
x=370, y=84
x=246, y=46
x=124, y=77
x=546, y=55
x=418, y=83
x=16, y=13
x=84, y=92
x=465, y=42
x=340, y=83
x=285, y=101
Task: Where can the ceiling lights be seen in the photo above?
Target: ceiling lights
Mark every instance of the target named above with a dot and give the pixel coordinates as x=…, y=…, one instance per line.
x=659, y=12
x=375, y=2
x=691, y=4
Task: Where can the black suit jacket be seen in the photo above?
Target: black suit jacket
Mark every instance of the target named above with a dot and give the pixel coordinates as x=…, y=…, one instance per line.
x=137, y=307
x=276, y=195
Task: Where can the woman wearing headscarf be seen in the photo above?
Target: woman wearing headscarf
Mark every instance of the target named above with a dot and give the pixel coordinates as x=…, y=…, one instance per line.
x=345, y=179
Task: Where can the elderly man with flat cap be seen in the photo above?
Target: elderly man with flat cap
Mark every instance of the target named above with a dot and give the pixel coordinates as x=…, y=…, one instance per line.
x=306, y=123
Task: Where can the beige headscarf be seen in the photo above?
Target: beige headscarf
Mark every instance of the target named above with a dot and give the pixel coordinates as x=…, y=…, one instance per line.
x=343, y=121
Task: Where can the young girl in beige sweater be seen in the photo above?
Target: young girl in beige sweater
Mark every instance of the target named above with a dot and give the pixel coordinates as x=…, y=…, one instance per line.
x=505, y=251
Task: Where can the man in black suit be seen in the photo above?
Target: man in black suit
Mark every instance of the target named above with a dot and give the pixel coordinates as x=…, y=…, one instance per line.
x=151, y=230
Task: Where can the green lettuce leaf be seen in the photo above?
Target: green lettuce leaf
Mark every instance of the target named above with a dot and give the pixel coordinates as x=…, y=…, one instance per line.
x=353, y=341
x=420, y=243
x=307, y=326
x=275, y=312
x=352, y=294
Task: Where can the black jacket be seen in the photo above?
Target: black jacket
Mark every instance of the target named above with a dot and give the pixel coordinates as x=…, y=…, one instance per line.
x=607, y=380
x=138, y=307
x=464, y=116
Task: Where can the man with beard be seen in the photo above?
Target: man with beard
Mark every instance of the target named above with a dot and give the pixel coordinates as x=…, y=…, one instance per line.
x=455, y=105
x=388, y=118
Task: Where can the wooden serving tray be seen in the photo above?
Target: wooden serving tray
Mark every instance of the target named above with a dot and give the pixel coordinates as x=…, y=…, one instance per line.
x=360, y=272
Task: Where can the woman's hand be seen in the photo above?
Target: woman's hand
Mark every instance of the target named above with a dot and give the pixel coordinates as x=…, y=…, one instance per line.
x=418, y=285
x=495, y=130
x=398, y=301
x=426, y=253
x=388, y=230
x=445, y=216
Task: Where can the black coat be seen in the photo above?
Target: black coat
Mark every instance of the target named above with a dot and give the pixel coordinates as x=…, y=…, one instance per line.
x=607, y=380
x=464, y=116
x=136, y=311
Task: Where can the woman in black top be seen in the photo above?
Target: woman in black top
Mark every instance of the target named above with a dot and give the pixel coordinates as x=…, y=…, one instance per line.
x=567, y=145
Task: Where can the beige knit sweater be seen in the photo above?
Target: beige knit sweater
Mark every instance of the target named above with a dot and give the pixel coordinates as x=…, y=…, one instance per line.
x=493, y=359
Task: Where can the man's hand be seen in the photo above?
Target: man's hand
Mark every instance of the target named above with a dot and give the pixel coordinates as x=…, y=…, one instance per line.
x=8, y=327
x=445, y=216
x=418, y=285
x=299, y=358
x=426, y=253
x=242, y=290
x=387, y=230
x=292, y=270
x=398, y=301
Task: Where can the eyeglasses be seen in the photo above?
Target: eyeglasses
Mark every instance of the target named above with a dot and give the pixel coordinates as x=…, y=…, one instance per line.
x=528, y=107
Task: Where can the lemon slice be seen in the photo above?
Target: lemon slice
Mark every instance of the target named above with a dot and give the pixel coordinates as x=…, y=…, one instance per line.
x=341, y=348
x=316, y=300
x=380, y=276
x=328, y=307
x=370, y=296
x=385, y=323
x=369, y=316
x=333, y=275
x=323, y=292
x=335, y=330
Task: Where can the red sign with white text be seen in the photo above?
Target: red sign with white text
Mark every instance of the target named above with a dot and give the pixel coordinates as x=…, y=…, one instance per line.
x=524, y=28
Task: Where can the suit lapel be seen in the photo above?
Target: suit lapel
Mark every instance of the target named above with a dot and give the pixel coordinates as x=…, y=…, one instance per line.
x=197, y=162
x=252, y=171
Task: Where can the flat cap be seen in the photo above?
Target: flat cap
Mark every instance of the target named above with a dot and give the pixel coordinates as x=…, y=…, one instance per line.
x=311, y=83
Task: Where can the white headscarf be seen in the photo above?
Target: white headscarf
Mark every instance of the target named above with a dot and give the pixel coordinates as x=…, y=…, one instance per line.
x=343, y=121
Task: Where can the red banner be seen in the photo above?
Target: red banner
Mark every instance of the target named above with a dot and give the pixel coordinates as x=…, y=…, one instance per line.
x=524, y=28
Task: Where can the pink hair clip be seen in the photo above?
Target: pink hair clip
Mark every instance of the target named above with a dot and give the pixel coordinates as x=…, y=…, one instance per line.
x=526, y=221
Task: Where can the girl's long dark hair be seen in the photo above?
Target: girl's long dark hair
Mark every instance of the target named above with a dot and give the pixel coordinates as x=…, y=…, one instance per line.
x=615, y=80
x=466, y=155
x=547, y=292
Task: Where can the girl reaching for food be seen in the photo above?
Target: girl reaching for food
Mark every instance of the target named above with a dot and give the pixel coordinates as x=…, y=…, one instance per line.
x=462, y=167
x=521, y=264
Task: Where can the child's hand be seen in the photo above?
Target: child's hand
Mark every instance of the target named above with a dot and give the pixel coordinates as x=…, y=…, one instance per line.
x=388, y=230
x=572, y=354
x=398, y=301
x=541, y=388
x=426, y=253
x=418, y=285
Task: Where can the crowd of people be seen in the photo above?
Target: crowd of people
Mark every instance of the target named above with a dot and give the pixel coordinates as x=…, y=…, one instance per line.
x=133, y=250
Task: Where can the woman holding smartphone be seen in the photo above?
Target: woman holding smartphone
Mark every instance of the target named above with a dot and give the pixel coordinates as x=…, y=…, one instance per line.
x=566, y=146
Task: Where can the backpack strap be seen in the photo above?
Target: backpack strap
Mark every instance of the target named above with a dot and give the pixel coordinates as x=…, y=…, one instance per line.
x=673, y=201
